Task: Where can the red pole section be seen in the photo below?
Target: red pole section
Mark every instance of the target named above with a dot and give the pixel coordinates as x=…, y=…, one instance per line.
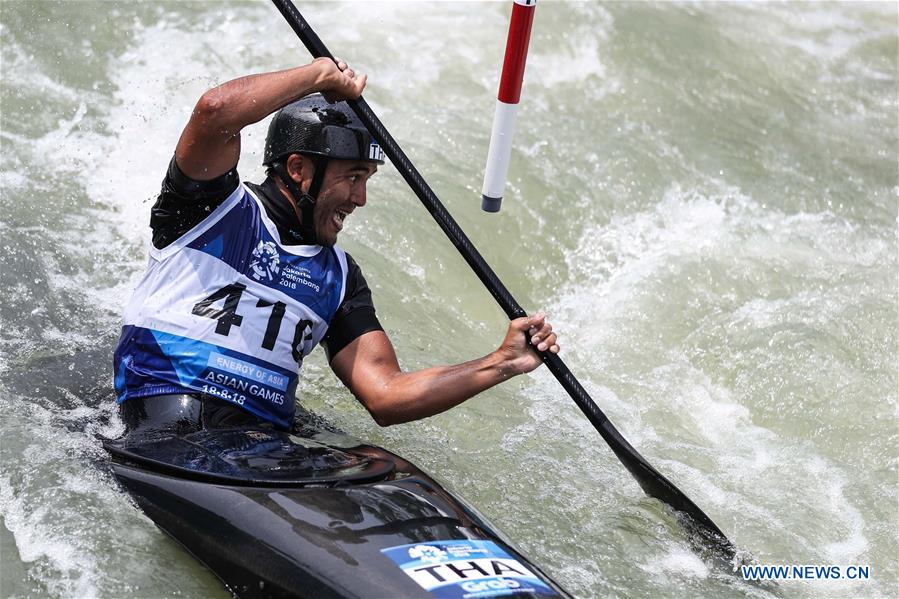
x=507, y=104
x=516, y=51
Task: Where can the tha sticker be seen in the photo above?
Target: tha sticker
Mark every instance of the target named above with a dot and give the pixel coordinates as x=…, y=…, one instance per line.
x=466, y=570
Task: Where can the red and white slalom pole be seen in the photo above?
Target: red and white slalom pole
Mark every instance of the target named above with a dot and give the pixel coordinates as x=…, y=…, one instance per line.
x=507, y=104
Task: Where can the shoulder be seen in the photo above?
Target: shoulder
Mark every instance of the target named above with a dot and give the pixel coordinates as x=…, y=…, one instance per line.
x=184, y=202
x=351, y=265
x=356, y=314
x=355, y=281
x=179, y=186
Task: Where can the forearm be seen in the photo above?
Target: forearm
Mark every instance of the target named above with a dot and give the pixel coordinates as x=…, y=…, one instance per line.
x=408, y=396
x=232, y=106
x=210, y=143
x=369, y=368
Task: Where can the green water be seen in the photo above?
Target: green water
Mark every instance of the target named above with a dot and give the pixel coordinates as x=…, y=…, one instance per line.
x=702, y=196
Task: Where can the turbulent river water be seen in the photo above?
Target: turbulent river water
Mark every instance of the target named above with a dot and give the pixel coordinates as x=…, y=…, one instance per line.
x=703, y=196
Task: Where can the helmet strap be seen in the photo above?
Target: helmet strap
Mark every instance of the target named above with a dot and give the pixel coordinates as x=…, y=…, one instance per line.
x=318, y=176
x=305, y=201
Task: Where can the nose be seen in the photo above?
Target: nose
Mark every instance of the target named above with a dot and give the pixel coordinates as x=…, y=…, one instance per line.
x=357, y=195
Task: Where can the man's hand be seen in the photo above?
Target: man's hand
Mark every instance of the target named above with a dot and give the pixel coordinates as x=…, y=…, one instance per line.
x=338, y=81
x=515, y=351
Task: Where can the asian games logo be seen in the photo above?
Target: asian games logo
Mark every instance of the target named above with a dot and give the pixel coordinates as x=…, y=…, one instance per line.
x=427, y=553
x=266, y=262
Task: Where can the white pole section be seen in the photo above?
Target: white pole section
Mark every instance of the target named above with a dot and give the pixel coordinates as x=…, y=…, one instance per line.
x=507, y=104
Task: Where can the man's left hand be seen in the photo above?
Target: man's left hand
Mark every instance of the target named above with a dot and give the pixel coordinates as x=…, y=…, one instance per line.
x=515, y=350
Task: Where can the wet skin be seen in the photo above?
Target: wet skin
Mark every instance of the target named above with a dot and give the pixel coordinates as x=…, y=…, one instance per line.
x=342, y=191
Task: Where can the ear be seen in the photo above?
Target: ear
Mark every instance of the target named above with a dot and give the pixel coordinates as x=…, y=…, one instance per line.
x=300, y=170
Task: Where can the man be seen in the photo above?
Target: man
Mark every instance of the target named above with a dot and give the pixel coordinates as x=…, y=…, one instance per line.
x=244, y=280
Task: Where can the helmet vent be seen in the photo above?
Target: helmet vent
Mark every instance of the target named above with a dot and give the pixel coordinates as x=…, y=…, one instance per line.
x=336, y=116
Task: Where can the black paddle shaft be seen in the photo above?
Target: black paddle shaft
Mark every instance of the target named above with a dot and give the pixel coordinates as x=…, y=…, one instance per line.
x=653, y=483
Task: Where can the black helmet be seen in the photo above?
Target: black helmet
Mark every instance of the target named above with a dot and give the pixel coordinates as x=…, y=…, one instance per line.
x=314, y=126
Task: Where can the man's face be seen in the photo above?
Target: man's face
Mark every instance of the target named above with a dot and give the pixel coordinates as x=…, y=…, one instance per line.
x=342, y=191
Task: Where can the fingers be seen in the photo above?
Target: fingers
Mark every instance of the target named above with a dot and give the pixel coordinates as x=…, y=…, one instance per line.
x=344, y=68
x=538, y=327
x=343, y=82
x=360, y=82
x=521, y=324
x=542, y=335
x=541, y=332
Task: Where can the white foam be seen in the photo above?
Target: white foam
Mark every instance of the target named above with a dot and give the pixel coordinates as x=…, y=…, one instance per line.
x=696, y=429
x=828, y=31
x=18, y=66
x=40, y=527
x=678, y=561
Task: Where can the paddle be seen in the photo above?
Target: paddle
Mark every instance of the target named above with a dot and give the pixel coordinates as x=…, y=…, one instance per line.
x=653, y=483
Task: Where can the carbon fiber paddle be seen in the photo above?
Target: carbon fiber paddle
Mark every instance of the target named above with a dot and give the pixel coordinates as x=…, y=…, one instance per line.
x=653, y=483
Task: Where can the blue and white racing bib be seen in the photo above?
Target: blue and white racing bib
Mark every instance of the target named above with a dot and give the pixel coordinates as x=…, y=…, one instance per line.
x=228, y=311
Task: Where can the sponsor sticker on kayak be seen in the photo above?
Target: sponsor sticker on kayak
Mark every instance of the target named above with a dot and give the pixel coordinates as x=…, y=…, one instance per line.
x=466, y=570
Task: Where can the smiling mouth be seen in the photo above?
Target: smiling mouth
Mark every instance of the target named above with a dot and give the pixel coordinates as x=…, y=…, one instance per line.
x=339, y=217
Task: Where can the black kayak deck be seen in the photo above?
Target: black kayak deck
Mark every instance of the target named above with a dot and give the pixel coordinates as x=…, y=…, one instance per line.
x=249, y=457
x=276, y=514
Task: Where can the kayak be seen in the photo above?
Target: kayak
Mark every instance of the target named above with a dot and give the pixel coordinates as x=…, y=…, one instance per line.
x=316, y=513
